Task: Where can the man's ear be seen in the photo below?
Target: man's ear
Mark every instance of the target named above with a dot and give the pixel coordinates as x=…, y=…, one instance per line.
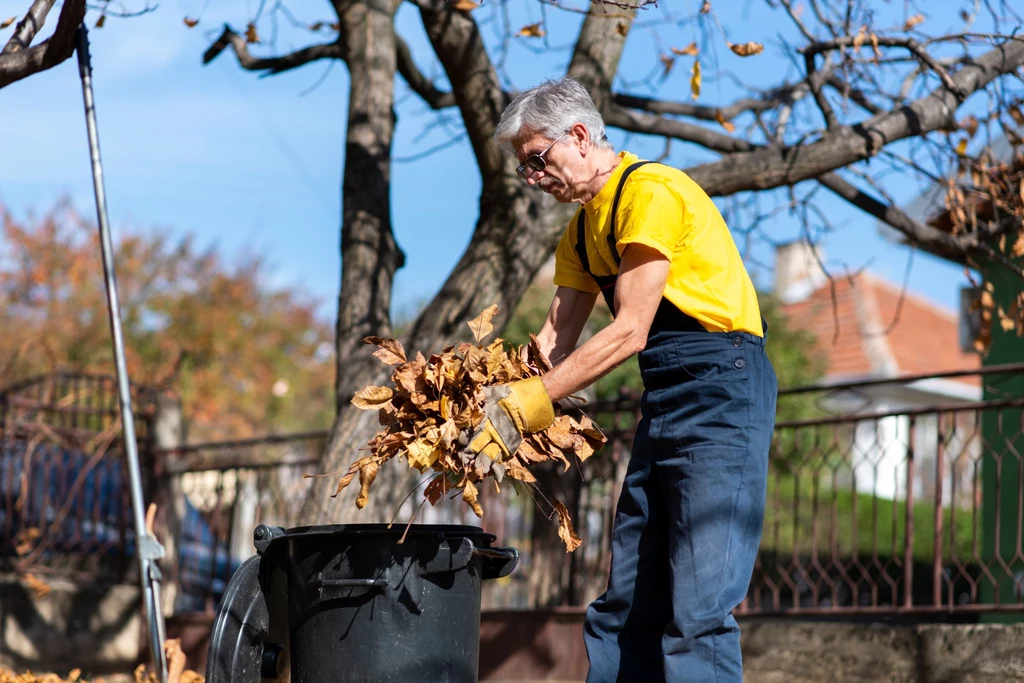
x=582, y=135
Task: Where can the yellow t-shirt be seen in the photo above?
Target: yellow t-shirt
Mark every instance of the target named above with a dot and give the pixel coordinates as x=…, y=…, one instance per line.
x=663, y=208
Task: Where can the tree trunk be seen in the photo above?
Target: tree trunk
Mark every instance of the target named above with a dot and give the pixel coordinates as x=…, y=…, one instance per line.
x=516, y=233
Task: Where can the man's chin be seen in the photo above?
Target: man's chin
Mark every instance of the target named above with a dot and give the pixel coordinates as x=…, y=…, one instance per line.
x=558, y=191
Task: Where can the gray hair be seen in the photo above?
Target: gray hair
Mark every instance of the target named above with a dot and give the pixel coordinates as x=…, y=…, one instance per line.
x=551, y=109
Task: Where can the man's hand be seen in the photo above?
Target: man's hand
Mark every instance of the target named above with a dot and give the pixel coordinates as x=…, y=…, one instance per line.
x=512, y=411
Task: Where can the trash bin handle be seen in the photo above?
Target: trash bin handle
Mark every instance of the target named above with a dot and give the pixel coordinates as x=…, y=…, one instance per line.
x=349, y=583
x=497, y=562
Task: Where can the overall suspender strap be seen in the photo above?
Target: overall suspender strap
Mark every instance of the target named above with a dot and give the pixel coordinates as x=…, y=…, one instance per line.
x=612, y=238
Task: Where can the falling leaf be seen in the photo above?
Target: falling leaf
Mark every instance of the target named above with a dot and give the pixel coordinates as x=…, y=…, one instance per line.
x=531, y=31
x=965, y=15
x=695, y=79
x=669, y=61
x=465, y=5
x=391, y=351
x=730, y=127
x=367, y=473
x=371, y=397
x=690, y=49
x=481, y=325
x=874, y=47
x=190, y=22
x=102, y=20
x=622, y=28
x=250, y=33
x=316, y=26
x=7, y=22
x=961, y=147
x=913, y=21
x=565, y=530
x=469, y=494
x=747, y=49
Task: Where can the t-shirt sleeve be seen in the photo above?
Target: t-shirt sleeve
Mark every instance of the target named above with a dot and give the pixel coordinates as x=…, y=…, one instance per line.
x=653, y=215
x=568, y=268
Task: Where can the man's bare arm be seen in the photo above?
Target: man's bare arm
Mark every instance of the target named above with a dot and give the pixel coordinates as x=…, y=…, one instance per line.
x=638, y=292
x=566, y=318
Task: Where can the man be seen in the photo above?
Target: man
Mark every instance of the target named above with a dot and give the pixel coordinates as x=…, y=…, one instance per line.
x=688, y=522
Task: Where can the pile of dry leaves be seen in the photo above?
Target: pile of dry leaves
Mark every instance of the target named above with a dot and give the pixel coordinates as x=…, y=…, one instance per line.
x=176, y=672
x=433, y=400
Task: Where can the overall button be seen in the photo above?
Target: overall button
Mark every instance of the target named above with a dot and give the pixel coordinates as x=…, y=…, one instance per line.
x=736, y=341
x=740, y=363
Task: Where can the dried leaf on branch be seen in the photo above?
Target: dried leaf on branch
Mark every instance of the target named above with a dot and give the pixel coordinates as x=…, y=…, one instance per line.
x=435, y=400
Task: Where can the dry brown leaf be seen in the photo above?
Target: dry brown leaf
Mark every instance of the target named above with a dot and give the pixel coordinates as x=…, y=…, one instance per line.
x=913, y=21
x=465, y=5
x=970, y=124
x=859, y=39
x=316, y=26
x=706, y=7
x=695, y=79
x=481, y=325
x=101, y=21
x=531, y=31
x=250, y=33
x=565, y=530
x=747, y=49
x=622, y=28
x=690, y=49
x=668, y=61
x=728, y=125
x=391, y=351
x=1017, y=115
x=874, y=47
x=344, y=481
x=961, y=147
x=7, y=22
x=367, y=473
x=191, y=23
x=469, y=494
x=371, y=397
x=38, y=587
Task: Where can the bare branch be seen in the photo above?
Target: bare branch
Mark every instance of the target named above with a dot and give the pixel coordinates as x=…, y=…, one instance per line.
x=765, y=168
x=272, y=65
x=28, y=27
x=19, y=64
x=855, y=95
x=955, y=248
x=909, y=43
x=755, y=105
x=815, y=80
x=640, y=122
x=419, y=83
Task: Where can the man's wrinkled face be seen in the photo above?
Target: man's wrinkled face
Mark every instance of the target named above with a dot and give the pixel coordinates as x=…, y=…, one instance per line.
x=558, y=157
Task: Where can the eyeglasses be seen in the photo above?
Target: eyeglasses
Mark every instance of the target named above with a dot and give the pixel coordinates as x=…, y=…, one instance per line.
x=535, y=162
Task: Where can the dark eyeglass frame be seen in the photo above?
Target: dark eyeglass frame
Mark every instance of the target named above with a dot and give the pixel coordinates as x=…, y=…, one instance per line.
x=536, y=161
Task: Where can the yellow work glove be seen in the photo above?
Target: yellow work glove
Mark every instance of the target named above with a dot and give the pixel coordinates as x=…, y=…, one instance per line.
x=512, y=411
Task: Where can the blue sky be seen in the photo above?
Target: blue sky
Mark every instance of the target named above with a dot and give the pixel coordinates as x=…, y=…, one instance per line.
x=254, y=164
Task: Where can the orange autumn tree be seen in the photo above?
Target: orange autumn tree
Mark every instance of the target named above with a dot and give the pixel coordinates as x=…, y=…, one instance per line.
x=243, y=357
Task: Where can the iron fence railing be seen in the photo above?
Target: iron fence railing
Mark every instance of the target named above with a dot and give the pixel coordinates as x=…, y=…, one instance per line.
x=884, y=496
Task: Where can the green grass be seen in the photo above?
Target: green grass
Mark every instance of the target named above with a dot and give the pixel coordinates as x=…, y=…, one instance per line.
x=880, y=524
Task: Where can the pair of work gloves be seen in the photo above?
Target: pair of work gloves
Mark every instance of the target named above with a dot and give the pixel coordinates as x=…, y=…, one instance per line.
x=512, y=411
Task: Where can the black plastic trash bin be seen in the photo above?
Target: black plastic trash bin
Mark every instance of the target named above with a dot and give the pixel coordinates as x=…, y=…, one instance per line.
x=347, y=603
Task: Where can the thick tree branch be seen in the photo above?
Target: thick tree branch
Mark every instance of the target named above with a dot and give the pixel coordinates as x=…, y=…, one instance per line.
x=420, y=84
x=272, y=65
x=766, y=168
x=640, y=122
x=21, y=63
x=755, y=105
x=28, y=27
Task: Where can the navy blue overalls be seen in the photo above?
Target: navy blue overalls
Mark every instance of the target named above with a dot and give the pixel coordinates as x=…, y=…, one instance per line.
x=688, y=521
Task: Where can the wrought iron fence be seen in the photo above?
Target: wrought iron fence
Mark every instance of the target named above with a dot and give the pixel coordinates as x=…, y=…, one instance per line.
x=886, y=496
x=64, y=506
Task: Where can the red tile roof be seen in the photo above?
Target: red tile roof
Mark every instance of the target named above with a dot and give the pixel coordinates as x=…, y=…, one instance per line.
x=865, y=331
